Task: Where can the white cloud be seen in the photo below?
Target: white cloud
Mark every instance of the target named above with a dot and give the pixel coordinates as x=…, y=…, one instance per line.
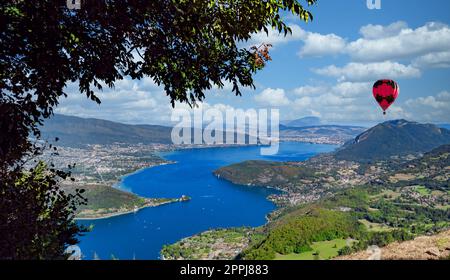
x=371, y=31
x=346, y=89
x=274, y=37
x=383, y=43
x=408, y=43
x=343, y=102
x=323, y=100
x=349, y=89
x=310, y=90
x=441, y=101
x=333, y=100
x=130, y=101
x=304, y=101
x=220, y=106
x=433, y=60
x=369, y=71
x=430, y=108
x=352, y=102
x=394, y=51
x=272, y=97
x=317, y=45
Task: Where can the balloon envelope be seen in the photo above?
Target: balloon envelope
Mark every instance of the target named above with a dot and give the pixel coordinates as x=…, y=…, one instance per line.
x=385, y=93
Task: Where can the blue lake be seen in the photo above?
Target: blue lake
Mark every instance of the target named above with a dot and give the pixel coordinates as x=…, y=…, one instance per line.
x=215, y=203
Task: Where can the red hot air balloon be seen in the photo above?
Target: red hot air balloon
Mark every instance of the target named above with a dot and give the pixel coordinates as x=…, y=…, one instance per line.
x=385, y=93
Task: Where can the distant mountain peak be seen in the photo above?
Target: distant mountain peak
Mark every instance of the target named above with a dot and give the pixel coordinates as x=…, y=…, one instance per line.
x=393, y=138
x=303, y=122
x=398, y=123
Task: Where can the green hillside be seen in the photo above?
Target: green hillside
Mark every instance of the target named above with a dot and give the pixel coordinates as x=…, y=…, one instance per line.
x=430, y=171
x=393, y=138
x=265, y=173
x=363, y=215
x=105, y=197
x=295, y=234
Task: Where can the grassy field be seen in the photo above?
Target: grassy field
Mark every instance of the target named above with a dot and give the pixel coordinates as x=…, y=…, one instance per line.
x=387, y=194
x=374, y=226
x=422, y=190
x=402, y=177
x=323, y=250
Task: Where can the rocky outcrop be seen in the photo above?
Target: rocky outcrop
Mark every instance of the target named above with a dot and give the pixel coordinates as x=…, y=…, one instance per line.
x=433, y=247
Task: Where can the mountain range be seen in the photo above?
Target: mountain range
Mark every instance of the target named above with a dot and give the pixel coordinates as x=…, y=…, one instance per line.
x=302, y=122
x=330, y=134
x=393, y=138
x=75, y=131
x=399, y=137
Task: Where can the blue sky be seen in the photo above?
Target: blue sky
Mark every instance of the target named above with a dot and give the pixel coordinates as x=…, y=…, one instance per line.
x=326, y=69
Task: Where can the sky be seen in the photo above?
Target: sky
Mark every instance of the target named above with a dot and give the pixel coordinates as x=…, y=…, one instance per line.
x=326, y=68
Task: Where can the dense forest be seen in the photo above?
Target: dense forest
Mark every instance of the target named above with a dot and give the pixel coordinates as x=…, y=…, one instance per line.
x=357, y=214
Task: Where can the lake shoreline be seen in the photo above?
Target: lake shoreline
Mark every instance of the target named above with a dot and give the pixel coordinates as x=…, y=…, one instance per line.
x=216, y=203
x=148, y=205
x=122, y=187
x=119, y=185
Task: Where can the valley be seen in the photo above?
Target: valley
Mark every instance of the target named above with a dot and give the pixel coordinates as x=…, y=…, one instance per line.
x=327, y=199
x=103, y=152
x=332, y=204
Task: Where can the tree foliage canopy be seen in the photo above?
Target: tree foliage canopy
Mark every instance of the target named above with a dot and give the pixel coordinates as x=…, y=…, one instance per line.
x=186, y=46
x=36, y=216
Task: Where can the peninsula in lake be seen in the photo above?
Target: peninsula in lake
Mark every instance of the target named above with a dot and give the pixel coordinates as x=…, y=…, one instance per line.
x=105, y=151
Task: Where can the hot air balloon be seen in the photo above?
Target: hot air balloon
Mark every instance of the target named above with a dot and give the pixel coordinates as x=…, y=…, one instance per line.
x=385, y=93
